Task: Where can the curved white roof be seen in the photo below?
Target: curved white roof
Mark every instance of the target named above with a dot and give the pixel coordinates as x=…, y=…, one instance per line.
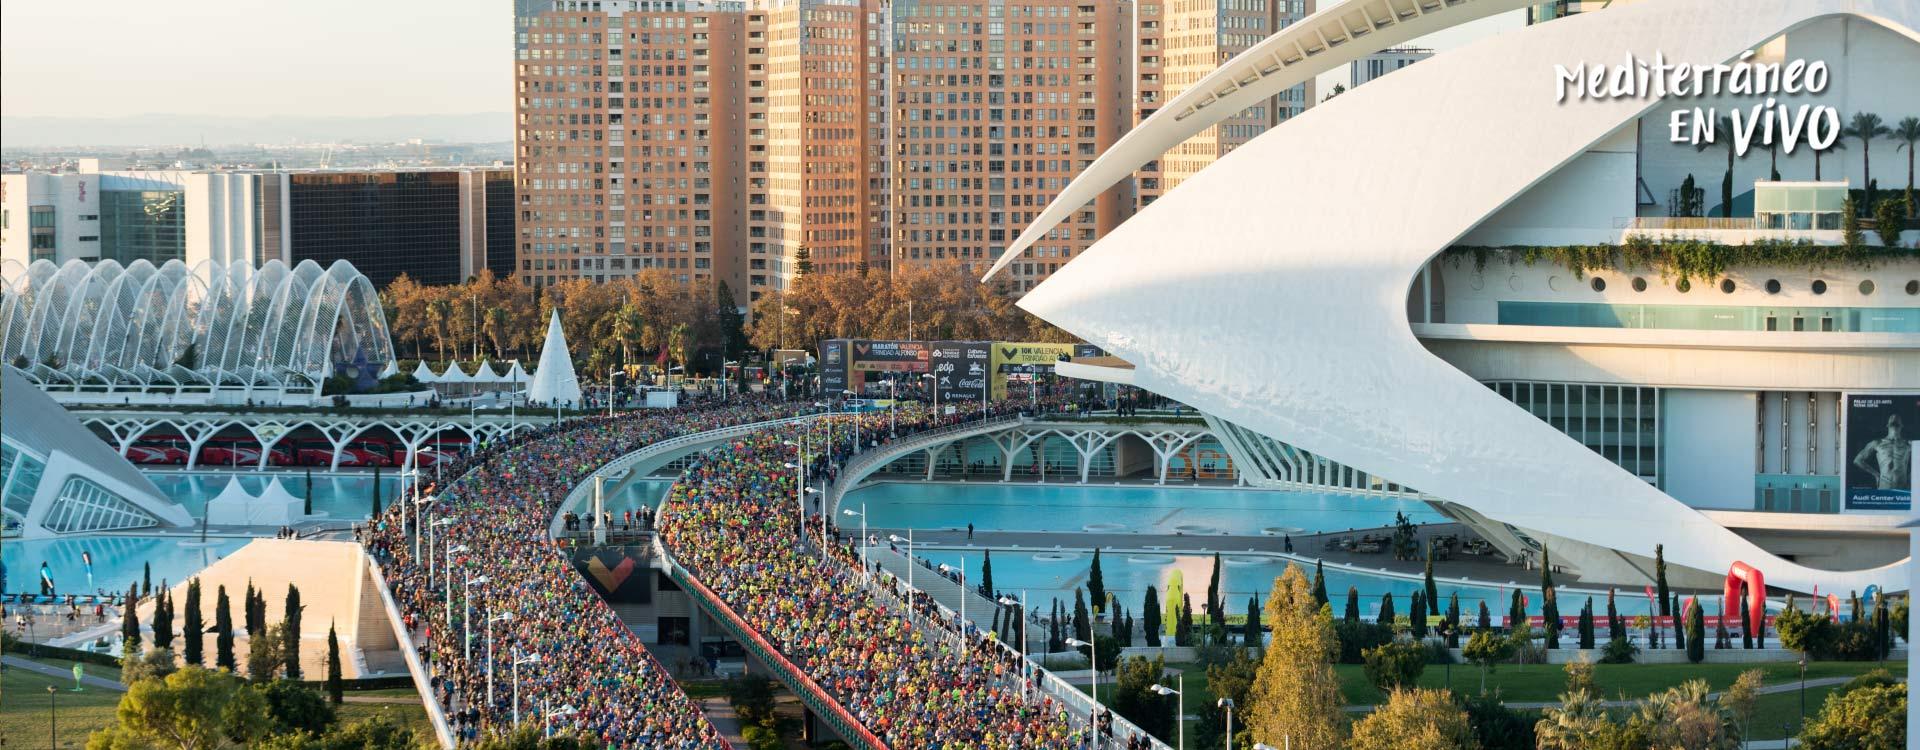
x=424, y=374
x=1272, y=285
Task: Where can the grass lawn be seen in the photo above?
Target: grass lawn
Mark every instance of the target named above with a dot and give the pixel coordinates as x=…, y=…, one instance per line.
x=24, y=715
x=412, y=715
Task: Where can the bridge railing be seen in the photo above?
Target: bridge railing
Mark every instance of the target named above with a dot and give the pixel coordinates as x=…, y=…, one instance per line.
x=814, y=697
x=871, y=460
x=584, y=490
x=436, y=714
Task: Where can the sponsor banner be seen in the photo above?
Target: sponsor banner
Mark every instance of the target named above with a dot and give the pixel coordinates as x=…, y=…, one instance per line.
x=617, y=574
x=889, y=356
x=961, y=369
x=834, y=356
x=1025, y=360
x=1087, y=350
x=1880, y=439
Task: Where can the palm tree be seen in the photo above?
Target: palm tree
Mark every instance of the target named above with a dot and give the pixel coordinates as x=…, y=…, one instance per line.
x=1580, y=719
x=1724, y=129
x=1908, y=133
x=439, y=313
x=1866, y=126
x=680, y=346
x=497, y=322
x=1838, y=145
x=629, y=326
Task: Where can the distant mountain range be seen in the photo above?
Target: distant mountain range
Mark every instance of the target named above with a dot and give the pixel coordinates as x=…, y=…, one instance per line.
x=197, y=130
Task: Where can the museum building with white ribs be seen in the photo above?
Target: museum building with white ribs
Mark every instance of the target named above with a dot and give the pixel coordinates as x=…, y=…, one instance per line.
x=1562, y=328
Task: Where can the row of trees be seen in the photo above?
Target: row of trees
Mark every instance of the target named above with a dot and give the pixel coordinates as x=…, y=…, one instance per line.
x=1287, y=694
x=645, y=318
x=1864, y=128
x=941, y=302
x=273, y=651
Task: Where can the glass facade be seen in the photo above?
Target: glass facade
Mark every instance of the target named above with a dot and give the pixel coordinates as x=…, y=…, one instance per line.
x=1712, y=317
x=1621, y=423
x=384, y=223
x=86, y=506
x=19, y=479
x=147, y=225
x=500, y=218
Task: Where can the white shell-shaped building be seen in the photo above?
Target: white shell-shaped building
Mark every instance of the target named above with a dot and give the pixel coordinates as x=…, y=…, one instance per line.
x=1294, y=286
x=175, y=327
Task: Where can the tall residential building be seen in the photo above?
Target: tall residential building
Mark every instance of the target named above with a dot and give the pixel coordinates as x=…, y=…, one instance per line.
x=627, y=138
x=1178, y=42
x=996, y=106
x=724, y=141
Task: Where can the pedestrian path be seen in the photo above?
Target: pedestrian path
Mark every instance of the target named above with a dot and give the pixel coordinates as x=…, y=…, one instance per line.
x=15, y=662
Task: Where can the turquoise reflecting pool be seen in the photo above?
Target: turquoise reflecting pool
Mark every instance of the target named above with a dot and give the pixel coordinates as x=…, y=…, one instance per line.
x=343, y=497
x=1143, y=510
x=117, y=561
x=1044, y=578
x=640, y=493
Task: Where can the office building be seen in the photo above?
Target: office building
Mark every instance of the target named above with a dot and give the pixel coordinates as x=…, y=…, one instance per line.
x=92, y=215
x=1383, y=62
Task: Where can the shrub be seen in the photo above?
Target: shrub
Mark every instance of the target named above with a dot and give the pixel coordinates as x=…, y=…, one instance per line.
x=1498, y=727
x=1875, y=678
x=1874, y=717
x=1395, y=665
x=1619, y=651
x=1890, y=219
x=1357, y=637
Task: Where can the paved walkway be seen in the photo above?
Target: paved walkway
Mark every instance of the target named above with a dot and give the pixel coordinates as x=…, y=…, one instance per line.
x=15, y=662
x=726, y=719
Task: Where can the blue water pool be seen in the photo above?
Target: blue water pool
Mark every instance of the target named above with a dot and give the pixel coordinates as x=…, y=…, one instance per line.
x=346, y=497
x=117, y=561
x=1043, y=576
x=637, y=494
x=1145, y=510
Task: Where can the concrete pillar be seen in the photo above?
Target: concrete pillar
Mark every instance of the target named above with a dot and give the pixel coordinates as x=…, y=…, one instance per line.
x=599, y=507
x=809, y=725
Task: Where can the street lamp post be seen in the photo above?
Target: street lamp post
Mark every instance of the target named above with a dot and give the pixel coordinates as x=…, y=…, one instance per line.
x=534, y=659
x=862, y=513
x=466, y=618
x=53, y=720
x=933, y=384
x=502, y=617
x=563, y=711
x=1180, y=707
x=1227, y=703
x=1093, y=660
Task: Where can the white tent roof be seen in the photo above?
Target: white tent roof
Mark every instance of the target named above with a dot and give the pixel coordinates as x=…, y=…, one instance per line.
x=455, y=375
x=236, y=507
x=516, y=374
x=483, y=373
x=424, y=374
x=554, y=381
x=392, y=369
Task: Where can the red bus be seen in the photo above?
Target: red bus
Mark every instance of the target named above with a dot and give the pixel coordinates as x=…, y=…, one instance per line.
x=159, y=448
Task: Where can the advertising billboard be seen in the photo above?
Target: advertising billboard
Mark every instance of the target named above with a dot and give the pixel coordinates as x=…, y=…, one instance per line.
x=1880, y=436
x=889, y=356
x=960, y=369
x=834, y=354
x=1024, y=359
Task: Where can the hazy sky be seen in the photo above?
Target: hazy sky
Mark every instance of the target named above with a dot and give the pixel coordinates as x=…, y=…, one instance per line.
x=255, y=57
x=104, y=58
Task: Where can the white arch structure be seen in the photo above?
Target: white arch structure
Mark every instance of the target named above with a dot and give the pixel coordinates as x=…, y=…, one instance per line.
x=1324, y=222
x=104, y=324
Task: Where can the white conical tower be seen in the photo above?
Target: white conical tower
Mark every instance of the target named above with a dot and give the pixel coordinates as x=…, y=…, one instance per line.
x=555, y=381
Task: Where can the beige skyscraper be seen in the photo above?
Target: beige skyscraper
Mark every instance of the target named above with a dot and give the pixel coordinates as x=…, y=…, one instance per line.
x=727, y=141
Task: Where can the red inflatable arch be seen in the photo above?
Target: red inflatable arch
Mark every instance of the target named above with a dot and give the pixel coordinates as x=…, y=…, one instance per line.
x=1756, y=582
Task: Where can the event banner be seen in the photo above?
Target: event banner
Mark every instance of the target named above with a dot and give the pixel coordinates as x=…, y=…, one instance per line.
x=960, y=369
x=617, y=574
x=1880, y=435
x=834, y=354
x=889, y=356
x=1024, y=359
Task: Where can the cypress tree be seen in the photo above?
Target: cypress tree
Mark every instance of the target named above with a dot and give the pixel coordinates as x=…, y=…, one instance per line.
x=1486, y=617
x=163, y=619
x=1353, y=605
x=376, y=495
x=1517, y=612
x=1586, y=624
x=1660, y=579
x=1319, y=584
x=246, y=610
x=195, y=628
x=1859, y=614
x=1550, y=616
x=1616, y=629
x=1150, y=616
x=309, y=508
x=1679, y=626
x=1433, y=591
x=1417, y=615
x=223, y=631
x=986, y=575
x=1216, y=606
x=1096, y=583
x=1129, y=629
x=1386, y=611
x=292, y=621
x=1746, y=628
x=333, y=666
x=1082, y=624
x=1252, y=638
x=146, y=579
x=1120, y=624
x=130, y=624
x=1882, y=627
x=1183, y=630
x=1453, y=619
x=1696, y=635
